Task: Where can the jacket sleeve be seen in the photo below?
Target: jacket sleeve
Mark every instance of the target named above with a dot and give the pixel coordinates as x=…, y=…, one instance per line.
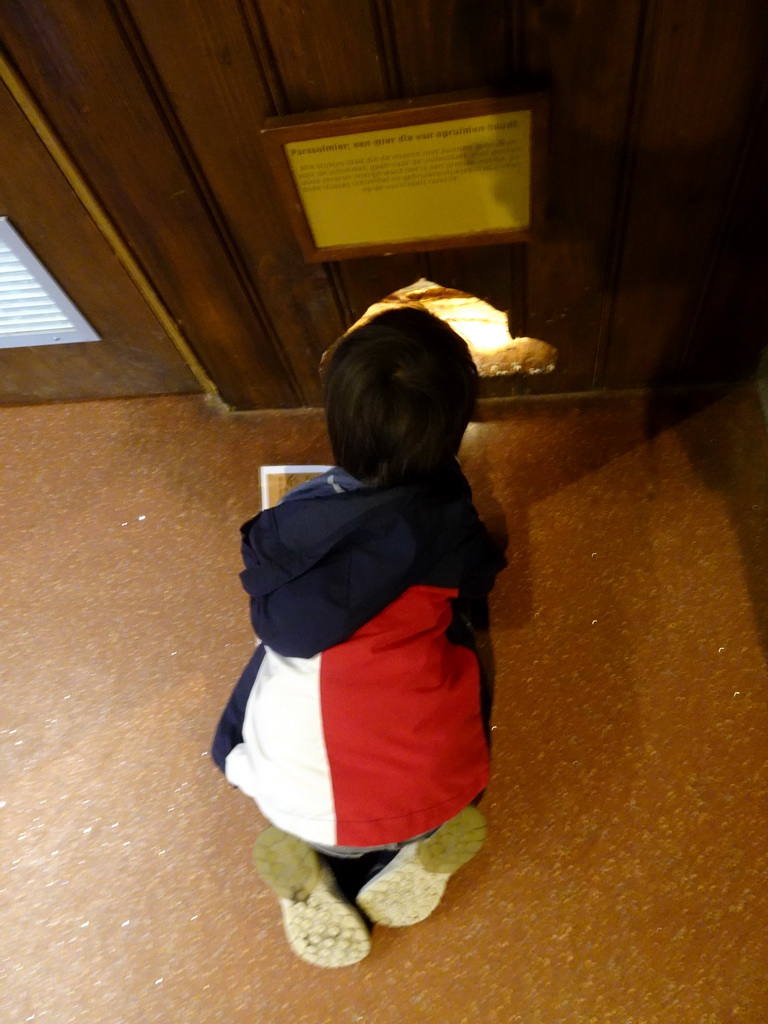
x=229, y=732
x=482, y=561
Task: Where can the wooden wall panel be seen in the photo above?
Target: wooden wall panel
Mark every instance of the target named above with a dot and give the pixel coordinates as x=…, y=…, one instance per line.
x=453, y=44
x=324, y=53
x=471, y=46
x=88, y=72
x=214, y=82
x=337, y=54
x=135, y=355
x=651, y=250
x=589, y=51
x=696, y=92
x=731, y=329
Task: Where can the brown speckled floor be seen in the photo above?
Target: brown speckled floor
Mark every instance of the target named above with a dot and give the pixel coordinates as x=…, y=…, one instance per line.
x=626, y=876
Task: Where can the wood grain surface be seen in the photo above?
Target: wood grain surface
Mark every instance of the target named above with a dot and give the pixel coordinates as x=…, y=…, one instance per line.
x=648, y=268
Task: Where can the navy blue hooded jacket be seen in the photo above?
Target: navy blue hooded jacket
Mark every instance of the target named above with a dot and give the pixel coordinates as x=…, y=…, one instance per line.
x=358, y=719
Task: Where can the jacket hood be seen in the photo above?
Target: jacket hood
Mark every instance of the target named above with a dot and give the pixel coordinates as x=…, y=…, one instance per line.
x=333, y=554
x=334, y=513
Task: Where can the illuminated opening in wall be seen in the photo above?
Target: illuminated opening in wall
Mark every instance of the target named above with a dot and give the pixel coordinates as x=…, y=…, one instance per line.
x=483, y=327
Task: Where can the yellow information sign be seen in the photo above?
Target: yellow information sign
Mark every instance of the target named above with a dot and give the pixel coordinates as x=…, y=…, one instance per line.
x=430, y=181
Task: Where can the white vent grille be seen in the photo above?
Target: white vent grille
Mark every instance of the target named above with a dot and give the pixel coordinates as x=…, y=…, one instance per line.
x=33, y=309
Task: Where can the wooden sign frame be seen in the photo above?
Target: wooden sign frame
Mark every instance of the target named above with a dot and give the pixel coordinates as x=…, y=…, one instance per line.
x=420, y=140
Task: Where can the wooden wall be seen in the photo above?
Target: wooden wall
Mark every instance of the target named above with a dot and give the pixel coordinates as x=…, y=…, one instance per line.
x=651, y=268
x=136, y=355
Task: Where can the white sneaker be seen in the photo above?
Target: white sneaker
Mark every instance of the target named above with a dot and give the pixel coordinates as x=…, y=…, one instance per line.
x=325, y=930
x=321, y=926
x=411, y=886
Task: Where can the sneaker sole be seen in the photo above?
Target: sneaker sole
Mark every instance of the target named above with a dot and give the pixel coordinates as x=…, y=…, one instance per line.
x=455, y=842
x=411, y=887
x=287, y=864
x=321, y=926
x=324, y=930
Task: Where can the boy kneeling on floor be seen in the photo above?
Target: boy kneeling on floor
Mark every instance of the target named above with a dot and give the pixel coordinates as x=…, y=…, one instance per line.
x=357, y=725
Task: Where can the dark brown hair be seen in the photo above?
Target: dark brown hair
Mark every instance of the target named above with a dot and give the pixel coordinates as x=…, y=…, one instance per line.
x=399, y=393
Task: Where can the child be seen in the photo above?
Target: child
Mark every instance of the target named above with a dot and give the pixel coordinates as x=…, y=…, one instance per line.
x=356, y=726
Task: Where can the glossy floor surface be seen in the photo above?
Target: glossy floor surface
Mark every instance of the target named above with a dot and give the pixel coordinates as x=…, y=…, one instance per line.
x=625, y=877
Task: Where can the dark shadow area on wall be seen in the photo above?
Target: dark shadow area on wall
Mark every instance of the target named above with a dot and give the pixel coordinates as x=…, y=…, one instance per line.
x=676, y=276
x=678, y=241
